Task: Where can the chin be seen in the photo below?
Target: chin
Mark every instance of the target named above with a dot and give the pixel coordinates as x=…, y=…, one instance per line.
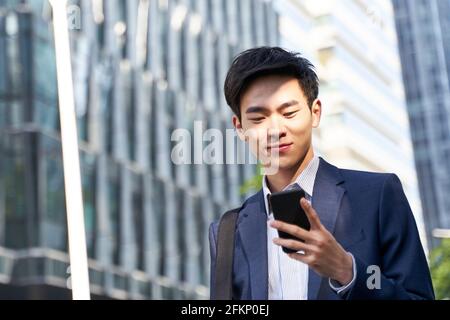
x=286, y=164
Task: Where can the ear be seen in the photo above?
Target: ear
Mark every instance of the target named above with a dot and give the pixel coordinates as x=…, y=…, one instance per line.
x=238, y=126
x=316, y=112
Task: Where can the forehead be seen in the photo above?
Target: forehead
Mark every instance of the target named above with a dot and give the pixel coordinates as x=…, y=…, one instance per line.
x=272, y=89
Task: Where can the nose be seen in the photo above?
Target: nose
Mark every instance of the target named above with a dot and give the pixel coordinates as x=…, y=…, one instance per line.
x=276, y=131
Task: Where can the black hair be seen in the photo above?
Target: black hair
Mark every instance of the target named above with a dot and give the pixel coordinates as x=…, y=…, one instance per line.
x=263, y=61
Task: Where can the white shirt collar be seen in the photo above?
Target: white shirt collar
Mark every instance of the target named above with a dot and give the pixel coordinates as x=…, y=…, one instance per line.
x=305, y=180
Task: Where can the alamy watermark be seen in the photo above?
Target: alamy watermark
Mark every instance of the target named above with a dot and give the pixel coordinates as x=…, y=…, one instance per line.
x=74, y=17
x=374, y=280
x=211, y=147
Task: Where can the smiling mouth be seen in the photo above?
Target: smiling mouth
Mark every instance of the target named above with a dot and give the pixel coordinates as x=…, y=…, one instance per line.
x=280, y=147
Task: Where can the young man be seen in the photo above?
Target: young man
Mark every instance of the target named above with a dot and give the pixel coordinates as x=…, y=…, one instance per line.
x=363, y=242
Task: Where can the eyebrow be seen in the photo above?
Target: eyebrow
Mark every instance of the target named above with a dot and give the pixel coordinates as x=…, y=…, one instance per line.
x=261, y=109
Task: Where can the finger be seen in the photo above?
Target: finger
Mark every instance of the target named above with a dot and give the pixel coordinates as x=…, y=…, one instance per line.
x=293, y=230
x=301, y=257
x=293, y=244
x=312, y=215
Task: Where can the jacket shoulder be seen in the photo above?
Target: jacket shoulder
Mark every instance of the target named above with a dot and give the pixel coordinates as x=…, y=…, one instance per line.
x=366, y=178
x=214, y=225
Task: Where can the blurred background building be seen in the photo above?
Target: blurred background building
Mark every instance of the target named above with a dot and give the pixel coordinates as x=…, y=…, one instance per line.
x=365, y=122
x=424, y=41
x=143, y=68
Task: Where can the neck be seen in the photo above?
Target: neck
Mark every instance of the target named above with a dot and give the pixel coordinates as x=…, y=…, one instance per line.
x=285, y=177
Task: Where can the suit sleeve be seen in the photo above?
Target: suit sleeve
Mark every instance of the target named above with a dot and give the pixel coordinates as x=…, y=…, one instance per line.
x=212, y=250
x=404, y=272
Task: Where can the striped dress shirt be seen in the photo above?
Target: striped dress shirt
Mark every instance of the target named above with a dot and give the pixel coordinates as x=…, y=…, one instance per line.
x=288, y=278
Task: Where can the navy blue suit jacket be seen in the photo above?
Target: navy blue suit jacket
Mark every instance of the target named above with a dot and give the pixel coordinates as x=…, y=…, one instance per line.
x=368, y=214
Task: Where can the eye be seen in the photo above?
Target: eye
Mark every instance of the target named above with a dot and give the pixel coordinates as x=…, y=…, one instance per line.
x=257, y=119
x=290, y=114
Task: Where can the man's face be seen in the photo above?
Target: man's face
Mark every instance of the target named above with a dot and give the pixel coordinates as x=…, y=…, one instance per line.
x=276, y=119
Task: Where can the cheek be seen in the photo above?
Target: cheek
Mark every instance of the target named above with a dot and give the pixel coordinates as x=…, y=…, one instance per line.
x=299, y=128
x=256, y=136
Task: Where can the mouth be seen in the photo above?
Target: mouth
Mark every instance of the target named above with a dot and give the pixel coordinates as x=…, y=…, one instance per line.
x=284, y=147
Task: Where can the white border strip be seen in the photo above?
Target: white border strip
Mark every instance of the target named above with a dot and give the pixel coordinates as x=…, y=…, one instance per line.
x=71, y=160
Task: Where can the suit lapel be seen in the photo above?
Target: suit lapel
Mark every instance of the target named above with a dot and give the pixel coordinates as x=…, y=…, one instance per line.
x=326, y=200
x=252, y=227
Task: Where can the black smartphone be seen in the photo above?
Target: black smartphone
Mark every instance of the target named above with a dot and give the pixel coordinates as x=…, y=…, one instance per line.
x=286, y=207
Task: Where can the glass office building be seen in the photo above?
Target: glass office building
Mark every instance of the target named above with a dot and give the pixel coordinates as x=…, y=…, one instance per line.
x=424, y=41
x=141, y=69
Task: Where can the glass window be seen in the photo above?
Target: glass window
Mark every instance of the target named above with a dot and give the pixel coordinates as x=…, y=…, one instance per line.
x=107, y=86
x=164, y=29
x=120, y=282
x=30, y=267
x=138, y=212
x=13, y=186
x=88, y=179
x=159, y=211
x=168, y=292
x=54, y=209
x=209, y=12
x=217, y=75
x=182, y=75
x=16, y=67
x=114, y=191
x=96, y=277
x=3, y=71
x=100, y=32
x=171, y=105
x=130, y=111
x=82, y=86
x=122, y=11
x=143, y=288
x=191, y=265
x=201, y=229
x=45, y=84
x=162, y=125
x=57, y=268
x=153, y=128
x=181, y=223
x=200, y=62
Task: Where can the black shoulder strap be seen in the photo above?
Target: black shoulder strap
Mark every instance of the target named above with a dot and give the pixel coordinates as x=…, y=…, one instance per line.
x=224, y=256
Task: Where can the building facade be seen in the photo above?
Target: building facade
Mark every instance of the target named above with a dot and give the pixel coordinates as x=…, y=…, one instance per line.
x=424, y=41
x=141, y=68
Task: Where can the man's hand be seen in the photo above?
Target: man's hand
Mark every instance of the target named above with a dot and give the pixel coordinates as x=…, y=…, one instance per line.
x=321, y=250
